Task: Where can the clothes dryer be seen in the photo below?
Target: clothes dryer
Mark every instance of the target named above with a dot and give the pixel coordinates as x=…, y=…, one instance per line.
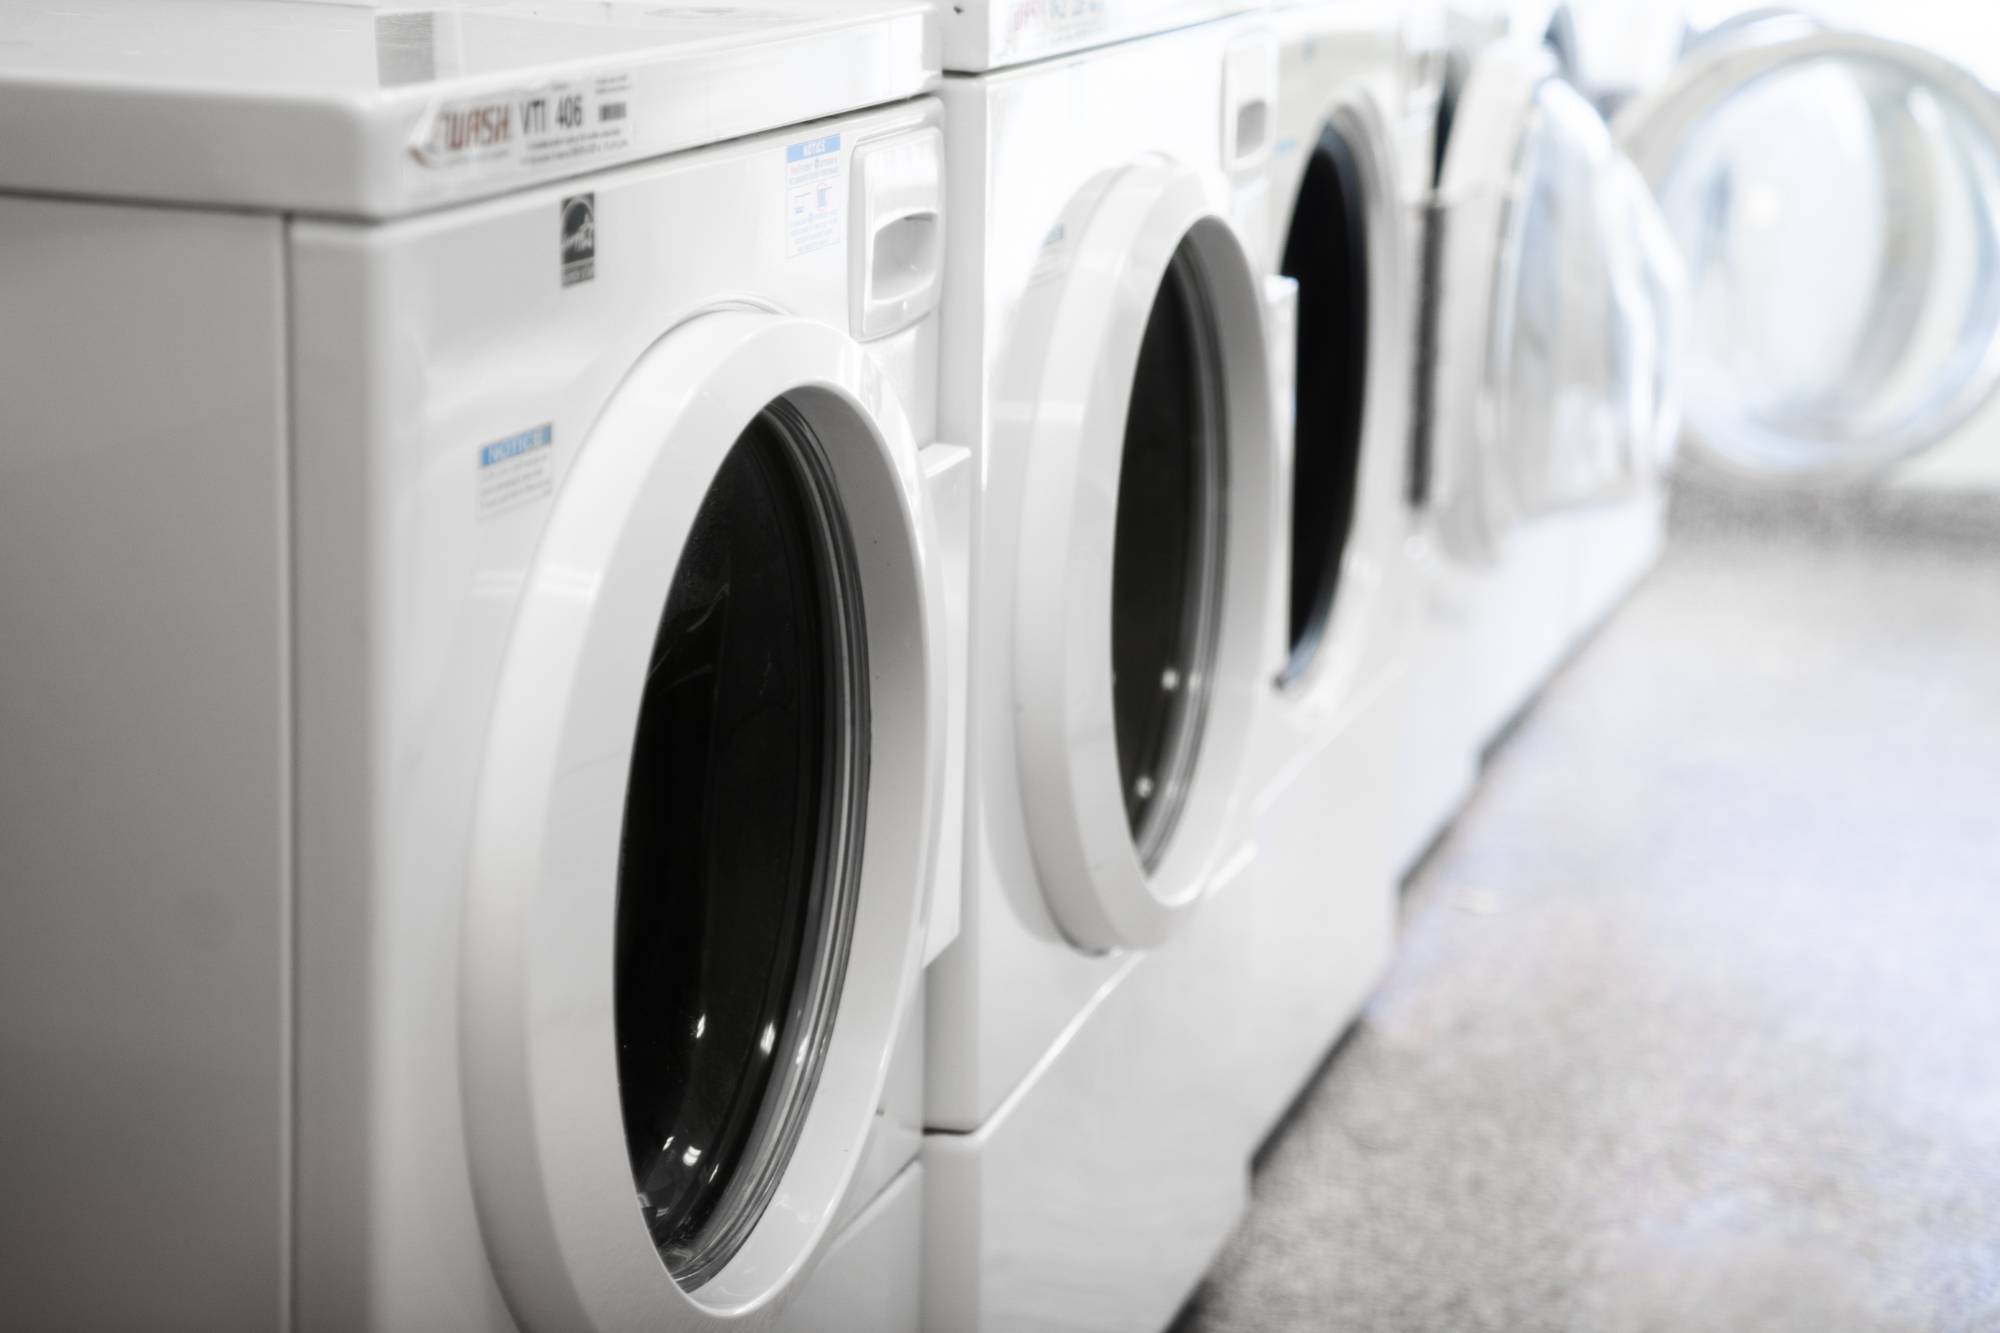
x=1106, y=357
x=491, y=853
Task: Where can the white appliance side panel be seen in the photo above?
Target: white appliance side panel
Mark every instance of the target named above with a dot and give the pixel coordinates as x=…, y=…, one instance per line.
x=1096, y=1197
x=1321, y=902
x=869, y=1280
x=1436, y=763
x=144, y=792
x=1617, y=545
x=1521, y=630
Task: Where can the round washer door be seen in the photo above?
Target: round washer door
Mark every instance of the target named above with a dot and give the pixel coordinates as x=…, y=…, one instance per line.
x=1836, y=198
x=1350, y=399
x=1144, y=610
x=695, y=920
x=1560, y=299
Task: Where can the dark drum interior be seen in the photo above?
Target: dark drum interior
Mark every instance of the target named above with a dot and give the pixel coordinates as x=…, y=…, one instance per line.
x=1326, y=251
x=1447, y=113
x=723, y=889
x=1166, y=555
x=1559, y=38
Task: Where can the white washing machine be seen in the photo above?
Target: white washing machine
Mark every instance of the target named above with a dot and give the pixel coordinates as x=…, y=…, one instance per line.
x=1106, y=357
x=478, y=729
x=1322, y=892
x=1435, y=766
x=1580, y=303
x=1547, y=325
x=1608, y=53
x=1835, y=195
x=1552, y=422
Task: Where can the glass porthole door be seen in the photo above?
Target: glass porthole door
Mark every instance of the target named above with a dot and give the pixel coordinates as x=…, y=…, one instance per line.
x=1166, y=557
x=1143, y=599
x=1836, y=198
x=741, y=850
x=1560, y=303
x=1792, y=248
x=695, y=918
x=1326, y=252
x=1350, y=473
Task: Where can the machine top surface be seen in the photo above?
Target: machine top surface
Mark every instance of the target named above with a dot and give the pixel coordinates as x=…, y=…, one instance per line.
x=373, y=110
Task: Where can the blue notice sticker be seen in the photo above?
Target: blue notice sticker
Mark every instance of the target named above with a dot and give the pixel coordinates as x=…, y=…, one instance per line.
x=799, y=152
x=515, y=445
x=517, y=470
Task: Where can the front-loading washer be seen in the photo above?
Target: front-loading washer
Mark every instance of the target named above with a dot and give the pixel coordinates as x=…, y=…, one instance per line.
x=1785, y=243
x=478, y=732
x=1432, y=769
x=1556, y=320
x=1106, y=358
x=1322, y=892
x=1614, y=528
x=1834, y=193
x=1507, y=412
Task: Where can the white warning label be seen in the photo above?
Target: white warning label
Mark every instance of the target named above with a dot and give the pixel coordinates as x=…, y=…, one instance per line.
x=553, y=123
x=516, y=470
x=813, y=188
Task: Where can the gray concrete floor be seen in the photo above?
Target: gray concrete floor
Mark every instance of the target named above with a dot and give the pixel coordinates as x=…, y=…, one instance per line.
x=1695, y=1023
